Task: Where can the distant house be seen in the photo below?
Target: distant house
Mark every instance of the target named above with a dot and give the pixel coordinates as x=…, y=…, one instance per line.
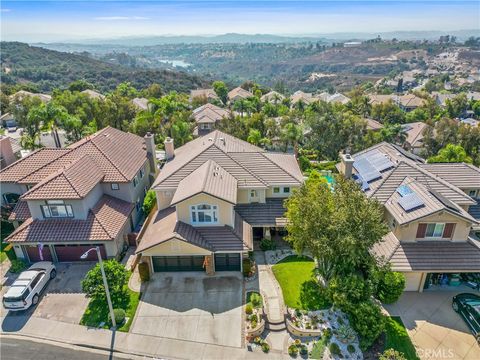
x=441, y=99
x=373, y=125
x=238, y=94
x=376, y=99
x=209, y=94
x=470, y=121
x=207, y=116
x=299, y=95
x=94, y=94
x=140, y=103
x=22, y=94
x=414, y=140
x=473, y=95
x=272, y=97
x=338, y=98
x=10, y=151
x=409, y=102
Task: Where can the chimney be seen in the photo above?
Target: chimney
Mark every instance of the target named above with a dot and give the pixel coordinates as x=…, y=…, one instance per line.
x=347, y=165
x=152, y=157
x=169, y=149
x=6, y=152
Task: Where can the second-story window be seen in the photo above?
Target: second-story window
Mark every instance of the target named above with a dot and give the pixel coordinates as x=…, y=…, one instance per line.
x=286, y=190
x=57, y=209
x=204, y=214
x=142, y=173
x=435, y=230
x=276, y=190
x=135, y=181
x=115, y=186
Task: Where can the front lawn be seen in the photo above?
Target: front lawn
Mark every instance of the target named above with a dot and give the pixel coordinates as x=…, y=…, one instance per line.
x=299, y=287
x=396, y=337
x=6, y=229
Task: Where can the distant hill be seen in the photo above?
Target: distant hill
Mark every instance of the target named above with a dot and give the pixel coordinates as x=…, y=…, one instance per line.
x=49, y=69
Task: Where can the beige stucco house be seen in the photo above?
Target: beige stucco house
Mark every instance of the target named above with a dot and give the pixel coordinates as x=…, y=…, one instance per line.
x=66, y=201
x=431, y=210
x=215, y=196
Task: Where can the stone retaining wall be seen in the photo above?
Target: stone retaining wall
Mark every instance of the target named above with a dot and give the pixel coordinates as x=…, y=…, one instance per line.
x=302, y=332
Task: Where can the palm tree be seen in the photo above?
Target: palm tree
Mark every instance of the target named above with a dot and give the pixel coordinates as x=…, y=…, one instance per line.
x=254, y=137
x=291, y=134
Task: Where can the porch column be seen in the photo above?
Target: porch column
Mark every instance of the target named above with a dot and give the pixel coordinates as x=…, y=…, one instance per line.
x=266, y=233
x=210, y=264
x=54, y=254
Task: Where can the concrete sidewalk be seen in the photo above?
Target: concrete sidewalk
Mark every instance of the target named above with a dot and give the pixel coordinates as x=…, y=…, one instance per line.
x=127, y=343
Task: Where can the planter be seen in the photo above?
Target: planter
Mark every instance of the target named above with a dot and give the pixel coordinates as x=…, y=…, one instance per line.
x=302, y=332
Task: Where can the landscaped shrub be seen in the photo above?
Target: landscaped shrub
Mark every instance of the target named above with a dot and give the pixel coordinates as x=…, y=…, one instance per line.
x=345, y=334
x=293, y=350
x=258, y=340
x=119, y=315
x=327, y=333
x=248, y=309
x=303, y=350
x=267, y=244
x=368, y=321
x=144, y=271
x=149, y=202
x=265, y=347
x=256, y=300
x=17, y=266
x=391, y=354
x=334, y=349
x=351, y=348
x=247, y=267
x=390, y=287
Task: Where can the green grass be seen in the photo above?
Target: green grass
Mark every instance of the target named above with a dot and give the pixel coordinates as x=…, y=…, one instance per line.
x=299, y=287
x=396, y=337
x=6, y=229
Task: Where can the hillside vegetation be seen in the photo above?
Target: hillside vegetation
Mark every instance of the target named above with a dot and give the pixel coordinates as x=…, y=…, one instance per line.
x=48, y=69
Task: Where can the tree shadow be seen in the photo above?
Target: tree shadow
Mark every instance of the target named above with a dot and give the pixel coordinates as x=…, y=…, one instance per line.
x=313, y=296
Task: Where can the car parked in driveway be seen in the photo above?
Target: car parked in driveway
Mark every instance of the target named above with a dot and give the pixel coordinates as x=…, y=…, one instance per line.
x=468, y=306
x=26, y=289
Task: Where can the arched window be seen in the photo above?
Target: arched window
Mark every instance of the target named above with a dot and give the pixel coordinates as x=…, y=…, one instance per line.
x=204, y=214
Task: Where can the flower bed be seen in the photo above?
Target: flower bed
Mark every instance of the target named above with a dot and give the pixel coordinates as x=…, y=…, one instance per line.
x=341, y=341
x=255, y=323
x=274, y=256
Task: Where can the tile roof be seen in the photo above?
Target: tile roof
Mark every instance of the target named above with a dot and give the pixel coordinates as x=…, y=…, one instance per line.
x=239, y=92
x=250, y=165
x=373, y=124
x=73, y=182
x=210, y=179
x=20, y=212
x=432, y=203
x=272, y=96
x=307, y=98
x=209, y=113
x=106, y=147
x=20, y=95
x=434, y=256
x=463, y=176
x=474, y=210
x=208, y=93
x=414, y=132
x=270, y=213
x=165, y=227
x=104, y=222
x=93, y=94
x=140, y=103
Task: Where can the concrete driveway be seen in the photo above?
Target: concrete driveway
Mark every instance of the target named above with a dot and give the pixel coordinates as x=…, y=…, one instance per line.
x=192, y=306
x=436, y=330
x=62, y=300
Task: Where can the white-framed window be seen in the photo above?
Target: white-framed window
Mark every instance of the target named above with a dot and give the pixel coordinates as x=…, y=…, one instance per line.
x=142, y=173
x=276, y=190
x=205, y=126
x=115, y=186
x=135, y=181
x=57, y=209
x=435, y=230
x=253, y=193
x=286, y=190
x=472, y=193
x=204, y=214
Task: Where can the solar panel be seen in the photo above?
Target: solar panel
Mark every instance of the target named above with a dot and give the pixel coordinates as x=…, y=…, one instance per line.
x=380, y=161
x=366, y=170
x=363, y=184
x=410, y=202
x=404, y=190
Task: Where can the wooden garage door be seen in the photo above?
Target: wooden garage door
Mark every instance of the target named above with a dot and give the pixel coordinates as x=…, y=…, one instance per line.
x=68, y=253
x=178, y=263
x=33, y=253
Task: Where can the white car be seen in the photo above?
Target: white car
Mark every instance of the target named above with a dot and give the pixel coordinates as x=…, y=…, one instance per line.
x=25, y=290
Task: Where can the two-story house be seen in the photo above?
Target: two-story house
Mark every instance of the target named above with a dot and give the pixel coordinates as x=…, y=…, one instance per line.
x=207, y=118
x=215, y=195
x=68, y=200
x=427, y=210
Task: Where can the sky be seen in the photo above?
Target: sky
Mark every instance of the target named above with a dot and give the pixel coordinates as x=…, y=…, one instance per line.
x=40, y=20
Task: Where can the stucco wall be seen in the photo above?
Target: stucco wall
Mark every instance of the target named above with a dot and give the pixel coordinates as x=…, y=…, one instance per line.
x=462, y=228
x=243, y=196
x=175, y=247
x=225, y=209
x=412, y=282
x=281, y=194
x=164, y=198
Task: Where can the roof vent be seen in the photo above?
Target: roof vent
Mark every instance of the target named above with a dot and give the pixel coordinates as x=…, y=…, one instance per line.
x=210, y=139
x=222, y=140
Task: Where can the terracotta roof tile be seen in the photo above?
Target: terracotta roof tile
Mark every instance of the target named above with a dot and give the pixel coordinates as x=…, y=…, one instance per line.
x=20, y=212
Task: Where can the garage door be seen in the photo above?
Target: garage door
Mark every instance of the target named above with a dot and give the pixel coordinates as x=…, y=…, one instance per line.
x=66, y=253
x=178, y=263
x=33, y=252
x=227, y=262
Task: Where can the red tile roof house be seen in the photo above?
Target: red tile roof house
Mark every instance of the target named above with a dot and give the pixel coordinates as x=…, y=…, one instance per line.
x=215, y=195
x=431, y=210
x=71, y=199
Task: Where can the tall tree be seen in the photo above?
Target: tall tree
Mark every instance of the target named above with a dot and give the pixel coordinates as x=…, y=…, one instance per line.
x=451, y=154
x=221, y=90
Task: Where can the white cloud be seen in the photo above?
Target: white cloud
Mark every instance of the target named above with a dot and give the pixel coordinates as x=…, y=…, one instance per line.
x=121, y=18
x=5, y=10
